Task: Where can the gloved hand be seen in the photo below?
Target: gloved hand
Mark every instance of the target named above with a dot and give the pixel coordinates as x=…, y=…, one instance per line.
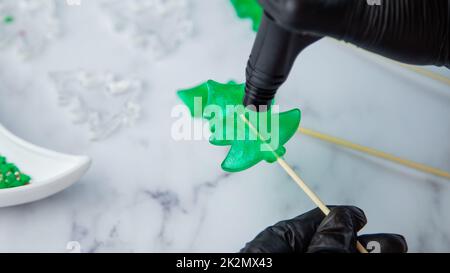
x=410, y=31
x=313, y=232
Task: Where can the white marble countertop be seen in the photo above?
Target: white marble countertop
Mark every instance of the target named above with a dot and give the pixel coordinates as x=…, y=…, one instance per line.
x=147, y=192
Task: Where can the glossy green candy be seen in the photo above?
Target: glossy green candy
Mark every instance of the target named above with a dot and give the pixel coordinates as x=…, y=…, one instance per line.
x=249, y=9
x=246, y=145
x=10, y=175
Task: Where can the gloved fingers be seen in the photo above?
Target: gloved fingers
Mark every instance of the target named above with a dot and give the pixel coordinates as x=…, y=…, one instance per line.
x=384, y=243
x=287, y=236
x=337, y=232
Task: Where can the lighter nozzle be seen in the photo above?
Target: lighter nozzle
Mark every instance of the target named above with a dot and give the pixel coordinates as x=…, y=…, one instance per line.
x=273, y=54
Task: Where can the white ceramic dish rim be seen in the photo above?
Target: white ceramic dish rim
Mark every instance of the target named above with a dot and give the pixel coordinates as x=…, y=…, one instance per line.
x=82, y=161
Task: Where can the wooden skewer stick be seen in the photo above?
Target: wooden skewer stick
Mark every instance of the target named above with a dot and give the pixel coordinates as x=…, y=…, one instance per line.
x=373, y=152
x=313, y=196
x=378, y=58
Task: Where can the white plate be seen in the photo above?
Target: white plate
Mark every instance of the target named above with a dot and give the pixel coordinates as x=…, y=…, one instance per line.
x=50, y=172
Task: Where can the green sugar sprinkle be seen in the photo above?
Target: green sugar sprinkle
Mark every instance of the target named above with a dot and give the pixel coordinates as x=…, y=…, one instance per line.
x=10, y=175
x=8, y=19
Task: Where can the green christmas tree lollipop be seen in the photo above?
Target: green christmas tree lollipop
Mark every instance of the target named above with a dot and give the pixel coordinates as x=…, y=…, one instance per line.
x=221, y=105
x=249, y=9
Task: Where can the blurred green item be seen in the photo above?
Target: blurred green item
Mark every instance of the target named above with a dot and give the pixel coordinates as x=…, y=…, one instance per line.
x=221, y=104
x=8, y=19
x=10, y=175
x=249, y=9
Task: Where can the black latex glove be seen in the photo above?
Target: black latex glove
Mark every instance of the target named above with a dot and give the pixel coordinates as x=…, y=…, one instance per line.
x=313, y=232
x=410, y=31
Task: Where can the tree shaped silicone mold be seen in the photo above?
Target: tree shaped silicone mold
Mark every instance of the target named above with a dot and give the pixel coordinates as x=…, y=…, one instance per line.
x=104, y=101
x=158, y=25
x=247, y=147
x=28, y=25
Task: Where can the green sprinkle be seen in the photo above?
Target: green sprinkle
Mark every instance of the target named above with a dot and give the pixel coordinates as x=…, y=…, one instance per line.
x=10, y=175
x=8, y=19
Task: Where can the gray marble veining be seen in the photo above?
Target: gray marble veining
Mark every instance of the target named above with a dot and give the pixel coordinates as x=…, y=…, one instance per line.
x=147, y=192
